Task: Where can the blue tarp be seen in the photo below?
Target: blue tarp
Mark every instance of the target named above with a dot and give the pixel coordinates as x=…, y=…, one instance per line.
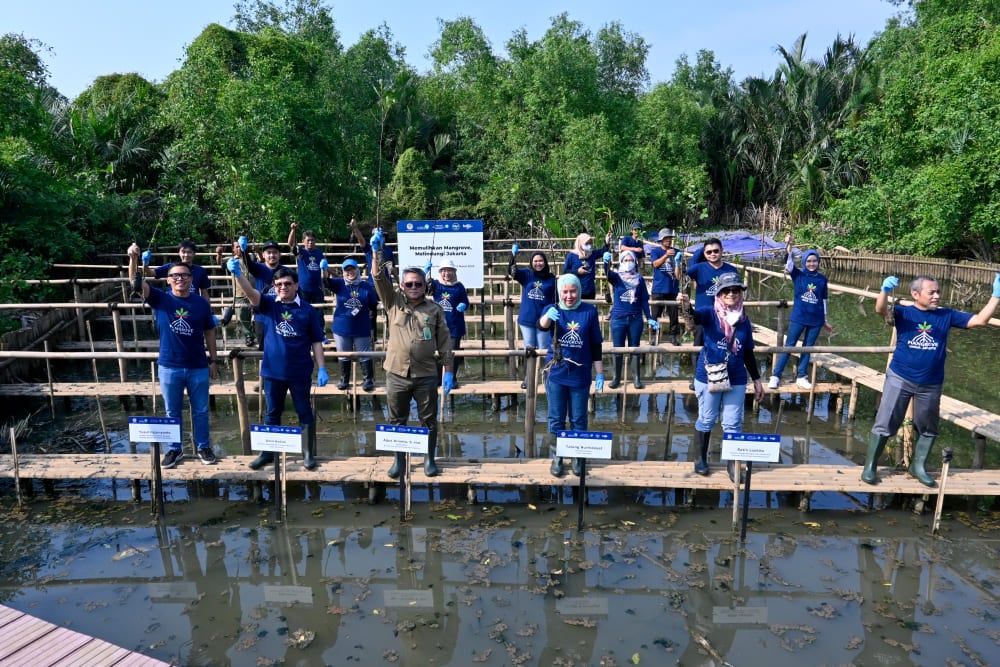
x=745, y=244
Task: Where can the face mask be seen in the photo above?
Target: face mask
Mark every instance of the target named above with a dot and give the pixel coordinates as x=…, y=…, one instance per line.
x=588, y=248
x=733, y=318
x=628, y=267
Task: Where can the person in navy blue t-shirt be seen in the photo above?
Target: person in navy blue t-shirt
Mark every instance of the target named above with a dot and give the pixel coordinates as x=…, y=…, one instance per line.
x=294, y=339
x=634, y=244
x=629, y=313
x=390, y=260
x=706, y=268
x=453, y=298
x=666, y=280
x=808, y=315
x=263, y=274
x=539, y=291
x=575, y=350
x=581, y=261
x=187, y=328
x=917, y=368
x=352, y=323
x=309, y=259
x=186, y=251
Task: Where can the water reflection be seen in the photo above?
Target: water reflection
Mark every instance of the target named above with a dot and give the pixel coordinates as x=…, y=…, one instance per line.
x=499, y=585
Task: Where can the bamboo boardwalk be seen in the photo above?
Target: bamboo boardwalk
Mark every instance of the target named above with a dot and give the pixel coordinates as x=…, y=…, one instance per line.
x=370, y=470
x=26, y=641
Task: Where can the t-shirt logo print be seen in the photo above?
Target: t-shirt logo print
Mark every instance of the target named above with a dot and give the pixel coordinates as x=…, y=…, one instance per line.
x=354, y=301
x=445, y=302
x=809, y=296
x=572, y=336
x=923, y=340
x=536, y=293
x=284, y=327
x=180, y=325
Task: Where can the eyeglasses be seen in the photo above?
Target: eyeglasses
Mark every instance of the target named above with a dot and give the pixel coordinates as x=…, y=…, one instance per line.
x=179, y=276
x=412, y=285
x=287, y=285
x=730, y=290
x=713, y=251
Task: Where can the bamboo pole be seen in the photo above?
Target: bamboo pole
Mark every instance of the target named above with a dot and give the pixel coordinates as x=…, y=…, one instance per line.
x=48, y=374
x=97, y=398
x=530, y=402
x=241, y=400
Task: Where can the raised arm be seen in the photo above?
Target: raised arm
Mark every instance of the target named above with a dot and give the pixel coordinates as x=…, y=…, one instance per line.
x=133, y=268
x=983, y=316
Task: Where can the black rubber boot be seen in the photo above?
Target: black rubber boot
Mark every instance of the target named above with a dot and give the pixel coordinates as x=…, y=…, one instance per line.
x=637, y=372
x=701, y=441
x=309, y=446
x=430, y=465
x=920, y=452
x=345, y=375
x=397, y=465
x=577, y=466
x=368, y=368
x=617, y=380
x=262, y=460
x=556, y=469
x=876, y=445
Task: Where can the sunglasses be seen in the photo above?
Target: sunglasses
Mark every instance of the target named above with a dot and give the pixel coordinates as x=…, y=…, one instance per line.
x=283, y=285
x=713, y=251
x=730, y=290
x=412, y=285
x=179, y=276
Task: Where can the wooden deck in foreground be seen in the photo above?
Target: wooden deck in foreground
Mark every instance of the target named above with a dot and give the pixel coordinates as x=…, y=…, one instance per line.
x=29, y=641
x=506, y=472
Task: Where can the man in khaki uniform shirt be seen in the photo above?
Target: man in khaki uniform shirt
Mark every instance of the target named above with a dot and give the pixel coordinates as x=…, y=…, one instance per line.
x=417, y=330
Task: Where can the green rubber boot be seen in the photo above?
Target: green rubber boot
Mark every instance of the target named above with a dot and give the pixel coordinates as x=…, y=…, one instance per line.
x=556, y=469
x=876, y=445
x=920, y=452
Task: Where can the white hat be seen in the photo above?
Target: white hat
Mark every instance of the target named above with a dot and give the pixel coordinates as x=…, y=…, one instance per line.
x=447, y=264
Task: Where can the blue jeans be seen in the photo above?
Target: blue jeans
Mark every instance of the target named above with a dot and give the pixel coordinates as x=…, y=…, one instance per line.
x=730, y=403
x=629, y=327
x=535, y=337
x=173, y=382
x=353, y=344
x=563, y=400
x=794, y=331
x=275, y=392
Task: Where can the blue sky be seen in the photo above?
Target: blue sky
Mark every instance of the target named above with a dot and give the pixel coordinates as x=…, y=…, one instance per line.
x=90, y=39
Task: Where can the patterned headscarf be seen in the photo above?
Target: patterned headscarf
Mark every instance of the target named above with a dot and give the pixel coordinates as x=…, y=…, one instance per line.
x=726, y=313
x=581, y=241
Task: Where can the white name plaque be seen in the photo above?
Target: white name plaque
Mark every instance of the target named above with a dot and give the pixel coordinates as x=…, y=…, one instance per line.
x=758, y=447
x=264, y=438
x=584, y=444
x=406, y=439
x=154, y=429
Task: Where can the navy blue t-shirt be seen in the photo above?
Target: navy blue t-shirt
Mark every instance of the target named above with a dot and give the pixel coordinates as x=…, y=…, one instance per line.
x=182, y=323
x=705, y=277
x=573, y=263
x=922, y=342
x=715, y=348
x=664, y=280
x=310, y=276
x=628, y=300
x=810, y=293
x=579, y=335
x=449, y=296
x=200, y=282
x=536, y=295
x=355, y=304
x=292, y=328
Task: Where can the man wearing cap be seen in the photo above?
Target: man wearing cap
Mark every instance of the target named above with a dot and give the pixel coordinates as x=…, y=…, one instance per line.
x=419, y=341
x=263, y=274
x=451, y=295
x=634, y=244
x=352, y=325
x=666, y=281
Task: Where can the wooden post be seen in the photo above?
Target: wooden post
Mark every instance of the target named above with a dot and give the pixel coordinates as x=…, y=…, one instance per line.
x=812, y=397
x=48, y=373
x=241, y=400
x=116, y=319
x=530, y=401
x=667, y=441
x=978, y=451
x=946, y=457
x=17, y=466
x=97, y=398
x=80, y=330
x=852, y=403
x=508, y=316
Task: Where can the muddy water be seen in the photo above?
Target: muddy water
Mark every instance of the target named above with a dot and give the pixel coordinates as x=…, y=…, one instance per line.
x=653, y=579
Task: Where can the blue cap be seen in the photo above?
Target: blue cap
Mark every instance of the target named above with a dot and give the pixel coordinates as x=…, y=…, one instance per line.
x=349, y=263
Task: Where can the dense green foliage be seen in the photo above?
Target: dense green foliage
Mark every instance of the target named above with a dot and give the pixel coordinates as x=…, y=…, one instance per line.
x=889, y=146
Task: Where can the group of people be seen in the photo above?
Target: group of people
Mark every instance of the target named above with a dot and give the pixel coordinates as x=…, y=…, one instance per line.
x=426, y=325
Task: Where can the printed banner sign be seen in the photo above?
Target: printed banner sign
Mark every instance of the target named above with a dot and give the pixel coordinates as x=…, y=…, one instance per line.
x=584, y=444
x=287, y=439
x=406, y=439
x=154, y=429
x=461, y=241
x=759, y=447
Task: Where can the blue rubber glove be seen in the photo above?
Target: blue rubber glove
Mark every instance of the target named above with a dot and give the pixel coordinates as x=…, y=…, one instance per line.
x=552, y=313
x=427, y=269
x=324, y=265
x=376, y=241
x=242, y=241
x=215, y=320
x=461, y=307
x=322, y=377
x=890, y=283
x=996, y=287
x=514, y=248
x=599, y=382
x=448, y=382
x=233, y=265
x=607, y=258
x=146, y=257
x=654, y=325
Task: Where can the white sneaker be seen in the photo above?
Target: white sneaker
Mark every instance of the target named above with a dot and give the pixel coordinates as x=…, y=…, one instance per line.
x=773, y=382
x=804, y=383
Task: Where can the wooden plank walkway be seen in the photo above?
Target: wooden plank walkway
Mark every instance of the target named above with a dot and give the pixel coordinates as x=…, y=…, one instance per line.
x=29, y=641
x=504, y=472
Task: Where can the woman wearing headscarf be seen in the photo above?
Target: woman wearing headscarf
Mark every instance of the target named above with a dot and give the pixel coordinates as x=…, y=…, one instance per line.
x=352, y=322
x=629, y=312
x=539, y=291
x=576, y=348
x=728, y=340
x=582, y=263
x=808, y=315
